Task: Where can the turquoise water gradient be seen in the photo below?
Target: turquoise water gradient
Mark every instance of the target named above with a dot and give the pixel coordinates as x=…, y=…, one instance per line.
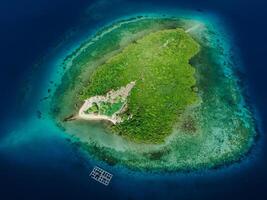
x=35, y=144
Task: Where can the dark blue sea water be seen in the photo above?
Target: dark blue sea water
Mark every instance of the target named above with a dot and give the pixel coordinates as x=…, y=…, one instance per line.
x=37, y=163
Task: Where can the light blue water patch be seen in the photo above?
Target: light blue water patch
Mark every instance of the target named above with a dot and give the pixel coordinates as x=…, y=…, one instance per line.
x=39, y=144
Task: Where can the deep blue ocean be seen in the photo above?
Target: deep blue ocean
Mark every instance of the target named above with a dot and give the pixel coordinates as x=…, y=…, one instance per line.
x=44, y=166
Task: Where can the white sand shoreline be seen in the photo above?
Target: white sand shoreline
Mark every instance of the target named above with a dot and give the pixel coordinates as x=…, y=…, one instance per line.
x=111, y=96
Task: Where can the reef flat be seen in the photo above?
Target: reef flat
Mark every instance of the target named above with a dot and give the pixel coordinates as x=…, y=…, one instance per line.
x=186, y=110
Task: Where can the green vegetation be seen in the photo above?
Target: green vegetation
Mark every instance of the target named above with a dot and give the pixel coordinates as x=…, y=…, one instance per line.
x=159, y=63
x=93, y=109
x=107, y=108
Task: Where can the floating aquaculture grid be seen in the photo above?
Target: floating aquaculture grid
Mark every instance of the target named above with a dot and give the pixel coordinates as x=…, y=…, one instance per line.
x=101, y=175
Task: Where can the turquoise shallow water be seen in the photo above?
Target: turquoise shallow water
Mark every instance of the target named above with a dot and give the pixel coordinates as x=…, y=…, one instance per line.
x=40, y=147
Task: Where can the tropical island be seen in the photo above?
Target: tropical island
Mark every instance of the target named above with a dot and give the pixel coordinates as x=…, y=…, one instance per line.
x=155, y=94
